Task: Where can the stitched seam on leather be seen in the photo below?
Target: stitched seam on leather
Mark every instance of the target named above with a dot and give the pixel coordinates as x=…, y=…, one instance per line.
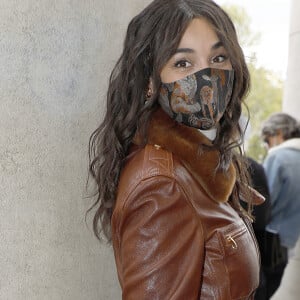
x=146, y=173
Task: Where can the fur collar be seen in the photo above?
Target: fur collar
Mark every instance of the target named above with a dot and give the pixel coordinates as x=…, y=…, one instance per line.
x=187, y=144
x=293, y=143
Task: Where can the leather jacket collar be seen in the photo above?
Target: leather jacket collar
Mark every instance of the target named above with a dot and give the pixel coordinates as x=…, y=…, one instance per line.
x=188, y=145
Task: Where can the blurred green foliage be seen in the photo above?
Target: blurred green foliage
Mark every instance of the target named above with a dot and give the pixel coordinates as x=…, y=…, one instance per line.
x=266, y=92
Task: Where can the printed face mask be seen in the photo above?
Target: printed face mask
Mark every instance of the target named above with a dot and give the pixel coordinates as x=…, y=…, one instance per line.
x=198, y=100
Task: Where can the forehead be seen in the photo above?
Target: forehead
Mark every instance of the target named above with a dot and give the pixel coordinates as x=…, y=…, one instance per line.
x=198, y=33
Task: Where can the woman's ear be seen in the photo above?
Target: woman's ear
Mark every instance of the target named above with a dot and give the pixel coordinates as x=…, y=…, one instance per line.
x=149, y=92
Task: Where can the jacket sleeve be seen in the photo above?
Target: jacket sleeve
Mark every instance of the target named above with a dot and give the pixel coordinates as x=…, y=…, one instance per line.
x=160, y=243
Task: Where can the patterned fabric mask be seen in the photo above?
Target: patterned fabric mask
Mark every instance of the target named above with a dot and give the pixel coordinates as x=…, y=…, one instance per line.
x=198, y=100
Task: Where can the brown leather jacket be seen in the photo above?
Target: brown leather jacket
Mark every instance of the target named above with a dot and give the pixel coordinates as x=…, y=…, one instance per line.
x=175, y=236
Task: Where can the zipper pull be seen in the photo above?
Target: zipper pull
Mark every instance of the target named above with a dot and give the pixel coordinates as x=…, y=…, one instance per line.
x=231, y=241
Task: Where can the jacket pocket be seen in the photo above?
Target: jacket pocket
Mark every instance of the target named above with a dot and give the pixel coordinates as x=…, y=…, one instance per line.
x=240, y=260
x=233, y=240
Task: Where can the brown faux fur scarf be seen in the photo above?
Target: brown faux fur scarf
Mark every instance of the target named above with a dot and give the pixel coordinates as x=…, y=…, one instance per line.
x=187, y=144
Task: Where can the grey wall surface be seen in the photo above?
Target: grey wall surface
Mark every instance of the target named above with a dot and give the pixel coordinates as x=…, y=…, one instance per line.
x=291, y=101
x=55, y=58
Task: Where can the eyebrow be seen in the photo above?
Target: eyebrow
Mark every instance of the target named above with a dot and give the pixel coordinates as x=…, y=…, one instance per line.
x=215, y=46
x=184, y=50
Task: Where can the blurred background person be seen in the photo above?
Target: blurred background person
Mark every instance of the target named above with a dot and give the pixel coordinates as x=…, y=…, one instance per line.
x=281, y=134
x=289, y=287
x=261, y=215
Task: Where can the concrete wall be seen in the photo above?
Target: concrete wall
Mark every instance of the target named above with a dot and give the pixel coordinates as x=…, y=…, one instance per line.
x=55, y=58
x=291, y=101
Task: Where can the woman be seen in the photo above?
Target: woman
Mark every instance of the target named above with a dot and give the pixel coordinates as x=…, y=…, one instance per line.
x=168, y=195
x=281, y=133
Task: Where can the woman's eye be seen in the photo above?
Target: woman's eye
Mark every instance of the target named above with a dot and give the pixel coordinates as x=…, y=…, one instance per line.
x=182, y=64
x=219, y=59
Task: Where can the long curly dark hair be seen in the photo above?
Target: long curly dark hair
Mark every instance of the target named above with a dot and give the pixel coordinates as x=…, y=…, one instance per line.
x=152, y=38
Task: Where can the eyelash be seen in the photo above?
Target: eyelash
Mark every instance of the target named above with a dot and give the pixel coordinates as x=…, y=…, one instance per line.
x=224, y=58
x=180, y=63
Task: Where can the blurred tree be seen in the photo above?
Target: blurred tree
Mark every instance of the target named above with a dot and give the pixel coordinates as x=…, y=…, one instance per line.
x=266, y=92
x=242, y=22
x=264, y=99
